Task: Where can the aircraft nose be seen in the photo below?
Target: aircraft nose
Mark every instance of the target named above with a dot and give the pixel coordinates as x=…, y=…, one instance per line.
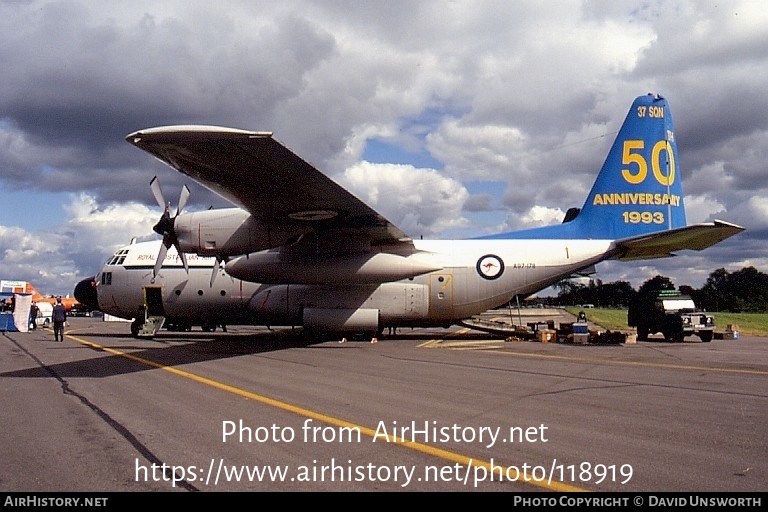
x=85, y=293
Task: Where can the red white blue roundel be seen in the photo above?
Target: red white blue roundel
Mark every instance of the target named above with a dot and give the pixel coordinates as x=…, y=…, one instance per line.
x=490, y=266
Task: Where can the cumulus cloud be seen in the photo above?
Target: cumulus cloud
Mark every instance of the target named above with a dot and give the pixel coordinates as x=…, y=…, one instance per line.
x=517, y=93
x=422, y=202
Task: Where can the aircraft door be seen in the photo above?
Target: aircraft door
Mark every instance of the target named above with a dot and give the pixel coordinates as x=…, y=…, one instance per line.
x=153, y=300
x=441, y=296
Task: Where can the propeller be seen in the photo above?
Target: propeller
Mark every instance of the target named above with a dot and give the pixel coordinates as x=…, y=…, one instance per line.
x=165, y=226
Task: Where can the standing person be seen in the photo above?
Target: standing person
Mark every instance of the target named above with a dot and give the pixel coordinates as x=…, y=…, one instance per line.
x=59, y=317
x=33, y=312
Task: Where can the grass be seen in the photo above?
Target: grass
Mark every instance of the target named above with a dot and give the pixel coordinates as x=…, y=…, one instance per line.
x=750, y=324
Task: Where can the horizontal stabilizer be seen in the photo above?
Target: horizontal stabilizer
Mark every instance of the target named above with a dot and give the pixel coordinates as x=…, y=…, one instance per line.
x=662, y=244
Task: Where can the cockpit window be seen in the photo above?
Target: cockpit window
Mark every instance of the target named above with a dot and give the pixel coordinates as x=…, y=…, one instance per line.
x=118, y=258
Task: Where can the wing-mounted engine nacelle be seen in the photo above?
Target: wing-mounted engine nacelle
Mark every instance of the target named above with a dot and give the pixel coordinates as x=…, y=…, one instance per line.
x=279, y=267
x=230, y=231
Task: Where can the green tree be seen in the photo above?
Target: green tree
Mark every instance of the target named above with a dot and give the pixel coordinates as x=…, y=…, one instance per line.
x=616, y=294
x=743, y=290
x=655, y=285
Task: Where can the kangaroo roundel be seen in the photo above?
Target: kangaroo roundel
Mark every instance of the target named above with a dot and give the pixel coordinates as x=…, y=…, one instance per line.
x=490, y=266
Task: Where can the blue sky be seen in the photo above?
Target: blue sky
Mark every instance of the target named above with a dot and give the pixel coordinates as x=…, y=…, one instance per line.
x=452, y=119
x=30, y=212
x=379, y=152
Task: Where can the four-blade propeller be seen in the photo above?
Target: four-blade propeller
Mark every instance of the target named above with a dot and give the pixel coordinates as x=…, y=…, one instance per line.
x=165, y=226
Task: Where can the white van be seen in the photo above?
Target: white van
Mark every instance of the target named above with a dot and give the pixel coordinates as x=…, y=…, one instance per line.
x=44, y=316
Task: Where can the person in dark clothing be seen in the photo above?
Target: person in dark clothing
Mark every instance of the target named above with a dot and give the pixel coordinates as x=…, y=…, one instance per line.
x=59, y=317
x=33, y=312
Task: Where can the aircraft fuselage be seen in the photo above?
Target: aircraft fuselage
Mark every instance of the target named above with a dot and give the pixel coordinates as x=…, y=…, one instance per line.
x=473, y=276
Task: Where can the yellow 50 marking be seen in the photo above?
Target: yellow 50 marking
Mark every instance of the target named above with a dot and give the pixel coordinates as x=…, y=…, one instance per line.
x=630, y=156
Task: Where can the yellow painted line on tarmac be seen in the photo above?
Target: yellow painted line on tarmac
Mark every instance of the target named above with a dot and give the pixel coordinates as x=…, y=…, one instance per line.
x=440, y=342
x=459, y=345
x=522, y=476
x=640, y=363
x=462, y=345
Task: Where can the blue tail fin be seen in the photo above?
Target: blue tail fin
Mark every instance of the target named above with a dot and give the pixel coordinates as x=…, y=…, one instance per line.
x=639, y=188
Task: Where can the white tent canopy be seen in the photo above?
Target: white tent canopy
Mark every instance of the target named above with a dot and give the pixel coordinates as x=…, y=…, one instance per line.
x=21, y=311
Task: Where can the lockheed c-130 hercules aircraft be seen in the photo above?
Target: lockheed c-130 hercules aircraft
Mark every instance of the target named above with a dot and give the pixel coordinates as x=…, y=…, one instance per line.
x=300, y=250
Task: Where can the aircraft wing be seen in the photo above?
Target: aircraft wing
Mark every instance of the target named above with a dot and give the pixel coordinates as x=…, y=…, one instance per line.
x=662, y=244
x=258, y=173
